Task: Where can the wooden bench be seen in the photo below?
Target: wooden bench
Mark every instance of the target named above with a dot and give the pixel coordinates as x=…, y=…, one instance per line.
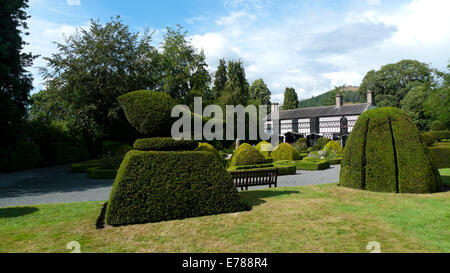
x=254, y=178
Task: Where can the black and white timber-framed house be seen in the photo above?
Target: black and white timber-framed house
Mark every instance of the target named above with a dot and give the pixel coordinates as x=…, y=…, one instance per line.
x=333, y=122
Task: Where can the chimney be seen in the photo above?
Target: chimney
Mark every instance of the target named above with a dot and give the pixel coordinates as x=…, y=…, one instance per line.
x=339, y=99
x=370, y=97
x=274, y=107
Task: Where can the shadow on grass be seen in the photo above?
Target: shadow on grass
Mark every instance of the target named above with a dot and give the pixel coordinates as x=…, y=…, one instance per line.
x=446, y=182
x=16, y=212
x=255, y=198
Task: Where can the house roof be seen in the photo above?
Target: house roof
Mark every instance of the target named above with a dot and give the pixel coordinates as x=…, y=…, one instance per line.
x=324, y=111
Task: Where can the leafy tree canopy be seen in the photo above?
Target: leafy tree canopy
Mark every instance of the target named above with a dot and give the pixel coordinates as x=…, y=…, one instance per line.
x=290, y=99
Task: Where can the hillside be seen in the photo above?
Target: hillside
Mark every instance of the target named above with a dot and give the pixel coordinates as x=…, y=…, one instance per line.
x=351, y=95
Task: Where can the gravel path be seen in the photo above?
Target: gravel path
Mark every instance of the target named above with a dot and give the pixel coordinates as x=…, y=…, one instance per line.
x=56, y=184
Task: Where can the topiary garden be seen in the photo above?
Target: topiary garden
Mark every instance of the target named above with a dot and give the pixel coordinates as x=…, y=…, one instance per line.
x=386, y=153
x=284, y=151
x=245, y=154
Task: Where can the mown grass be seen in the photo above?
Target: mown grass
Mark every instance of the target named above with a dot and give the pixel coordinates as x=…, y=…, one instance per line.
x=324, y=218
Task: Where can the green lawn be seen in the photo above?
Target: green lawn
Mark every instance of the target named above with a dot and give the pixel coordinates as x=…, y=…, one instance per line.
x=324, y=218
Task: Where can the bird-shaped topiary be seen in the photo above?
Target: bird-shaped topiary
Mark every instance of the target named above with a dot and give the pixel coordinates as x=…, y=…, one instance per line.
x=385, y=153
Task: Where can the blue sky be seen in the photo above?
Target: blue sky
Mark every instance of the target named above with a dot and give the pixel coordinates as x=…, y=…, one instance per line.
x=311, y=45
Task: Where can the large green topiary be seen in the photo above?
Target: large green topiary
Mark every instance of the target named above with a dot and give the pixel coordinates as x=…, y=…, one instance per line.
x=386, y=153
x=153, y=186
x=265, y=148
x=206, y=147
x=245, y=154
x=148, y=111
x=285, y=151
x=300, y=145
x=164, y=144
x=333, y=148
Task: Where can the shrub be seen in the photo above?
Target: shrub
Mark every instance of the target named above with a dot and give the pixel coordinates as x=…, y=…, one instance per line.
x=300, y=145
x=439, y=135
x=334, y=160
x=64, y=153
x=428, y=138
x=245, y=154
x=20, y=156
x=283, y=169
x=82, y=167
x=320, y=144
x=109, y=148
x=285, y=151
x=148, y=111
x=265, y=148
x=110, y=162
x=208, y=148
x=99, y=173
x=437, y=125
x=312, y=164
x=385, y=153
x=333, y=148
x=153, y=186
x=441, y=156
x=123, y=150
x=164, y=144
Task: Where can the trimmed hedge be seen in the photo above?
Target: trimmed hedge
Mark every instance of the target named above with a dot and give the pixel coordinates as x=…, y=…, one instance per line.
x=268, y=148
x=245, y=154
x=300, y=145
x=428, y=138
x=386, y=153
x=441, y=156
x=333, y=148
x=312, y=164
x=334, y=160
x=164, y=144
x=437, y=125
x=82, y=167
x=20, y=156
x=109, y=148
x=148, y=111
x=285, y=167
x=153, y=186
x=284, y=151
x=208, y=148
x=123, y=150
x=320, y=144
x=439, y=135
x=98, y=173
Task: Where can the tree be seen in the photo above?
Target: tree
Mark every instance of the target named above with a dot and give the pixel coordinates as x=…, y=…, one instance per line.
x=290, y=99
x=236, y=87
x=220, y=79
x=413, y=105
x=95, y=66
x=392, y=82
x=259, y=91
x=15, y=81
x=437, y=105
x=185, y=72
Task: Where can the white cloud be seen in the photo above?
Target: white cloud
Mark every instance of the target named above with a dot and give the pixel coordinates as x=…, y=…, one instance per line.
x=373, y=2
x=73, y=2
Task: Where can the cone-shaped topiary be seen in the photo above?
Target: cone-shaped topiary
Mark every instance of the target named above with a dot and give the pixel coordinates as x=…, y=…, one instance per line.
x=285, y=151
x=265, y=148
x=385, y=153
x=333, y=148
x=208, y=148
x=245, y=154
x=148, y=111
x=300, y=145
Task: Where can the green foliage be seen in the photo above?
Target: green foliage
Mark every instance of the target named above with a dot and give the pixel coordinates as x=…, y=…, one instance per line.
x=100, y=173
x=15, y=80
x=220, y=79
x=122, y=150
x=320, y=144
x=300, y=145
x=111, y=162
x=333, y=148
x=413, y=105
x=393, y=81
x=99, y=64
x=285, y=151
x=20, y=156
x=437, y=125
x=164, y=144
x=208, y=148
x=439, y=135
x=428, y=138
x=268, y=148
x=82, y=167
x=147, y=188
x=63, y=153
x=312, y=164
x=350, y=94
x=385, y=153
x=245, y=154
x=441, y=155
x=259, y=91
x=438, y=103
x=290, y=99
x=148, y=111
x=109, y=148
x=236, y=87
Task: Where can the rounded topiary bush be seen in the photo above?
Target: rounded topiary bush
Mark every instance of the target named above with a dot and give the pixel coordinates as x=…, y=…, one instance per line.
x=265, y=148
x=285, y=151
x=320, y=143
x=148, y=111
x=300, y=145
x=206, y=147
x=386, y=153
x=153, y=186
x=437, y=125
x=164, y=144
x=428, y=138
x=333, y=148
x=245, y=154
